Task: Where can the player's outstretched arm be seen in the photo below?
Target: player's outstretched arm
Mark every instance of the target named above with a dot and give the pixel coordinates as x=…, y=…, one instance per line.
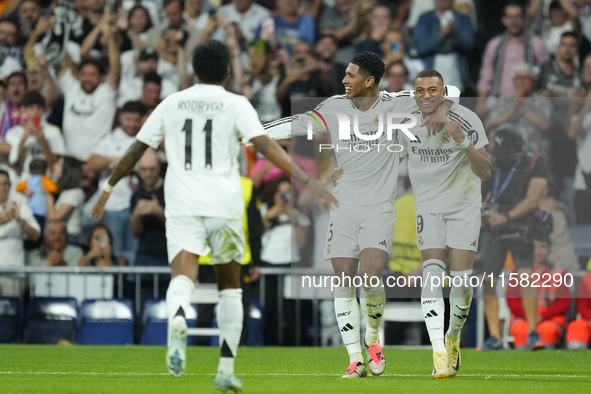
x=126, y=164
x=276, y=155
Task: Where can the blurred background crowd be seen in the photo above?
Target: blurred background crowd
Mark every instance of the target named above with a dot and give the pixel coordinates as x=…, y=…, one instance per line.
x=65, y=122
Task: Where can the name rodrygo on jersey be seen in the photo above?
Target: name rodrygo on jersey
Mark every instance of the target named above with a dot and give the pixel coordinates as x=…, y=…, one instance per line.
x=202, y=128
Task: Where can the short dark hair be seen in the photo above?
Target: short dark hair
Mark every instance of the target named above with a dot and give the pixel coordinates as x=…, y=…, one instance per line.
x=99, y=64
x=71, y=174
x=13, y=22
x=328, y=35
x=430, y=73
x=210, y=61
x=166, y=3
x=33, y=97
x=38, y=167
x=370, y=64
x=135, y=107
x=569, y=34
x=397, y=63
x=514, y=3
x=17, y=74
x=153, y=78
x=5, y=173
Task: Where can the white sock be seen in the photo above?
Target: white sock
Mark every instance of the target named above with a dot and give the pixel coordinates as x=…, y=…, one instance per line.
x=230, y=315
x=432, y=302
x=347, y=312
x=178, y=296
x=373, y=302
x=460, y=299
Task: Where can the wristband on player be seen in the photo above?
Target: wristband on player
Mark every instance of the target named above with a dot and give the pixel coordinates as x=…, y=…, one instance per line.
x=107, y=188
x=465, y=143
x=508, y=217
x=307, y=180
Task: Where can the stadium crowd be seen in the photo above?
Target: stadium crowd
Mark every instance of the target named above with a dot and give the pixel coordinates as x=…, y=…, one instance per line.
x=65, y=123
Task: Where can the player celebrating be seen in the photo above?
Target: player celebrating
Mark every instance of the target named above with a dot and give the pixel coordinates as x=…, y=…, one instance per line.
x=203, y=126
x=359, y=237
x=446, y=172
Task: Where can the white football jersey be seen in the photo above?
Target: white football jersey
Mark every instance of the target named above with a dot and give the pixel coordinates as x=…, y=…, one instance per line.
x=202, y=127
x=439, y=170
x=370, y=167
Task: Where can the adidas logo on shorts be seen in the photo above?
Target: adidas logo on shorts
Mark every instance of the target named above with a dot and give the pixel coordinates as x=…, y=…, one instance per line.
x=383, y=243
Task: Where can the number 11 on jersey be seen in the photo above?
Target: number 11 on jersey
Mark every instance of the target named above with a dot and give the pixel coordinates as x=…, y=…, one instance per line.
x=188, y=129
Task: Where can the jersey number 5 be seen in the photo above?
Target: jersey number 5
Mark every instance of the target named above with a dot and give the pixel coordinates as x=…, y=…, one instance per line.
x=188, y=129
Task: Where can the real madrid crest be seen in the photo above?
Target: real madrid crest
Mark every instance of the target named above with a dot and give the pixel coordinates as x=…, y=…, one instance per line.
x=376, y=119
x=421, y=240
x=328, y=249
x=445, y=138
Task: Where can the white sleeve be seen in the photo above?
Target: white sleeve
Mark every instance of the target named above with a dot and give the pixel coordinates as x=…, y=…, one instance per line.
x=57, y=144
x=27, y=215
x=67, y=82
x=13, y=138
x=401, y=139
x=247, y=121
x=152, y=132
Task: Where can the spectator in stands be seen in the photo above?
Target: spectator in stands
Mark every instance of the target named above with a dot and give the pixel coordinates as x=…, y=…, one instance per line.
x=55, y=249
x=419, y=7
x=104, y=158
x=9, y=40
x=89, y=185
x=154, y=8
x=136, y=26
x=562, y=78
x=280, y=247
x=326, y=49
x=101, y=252
x=261, y=86
x=68, y=207
x=247, y=15
x=28, y=16
x=12, y=112
x=264, y=173
x=41, y=81
x=580, y=130
x=173, y=9
x=134, y=73
x=379, y=24
x=195, y=16
x=578, y=333
x=151, y=91
x=394, y=49
x=583, y=8
x=96, y=43
x=304, y=78
x=587, y=71
x=147, y=217
x=397, y=77
x=16, y=223
x=562, y=253
x=290, y=26
x=341, y=20
x=506, y=51
x=35, y=139
x=94, y=11
x=443, y=38
x=553, y=303
x=529, y=113
x=90, y=103
x=550, y=22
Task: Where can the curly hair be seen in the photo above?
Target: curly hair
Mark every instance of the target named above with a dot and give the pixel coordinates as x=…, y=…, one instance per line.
x=370, y=64
x=210, y=61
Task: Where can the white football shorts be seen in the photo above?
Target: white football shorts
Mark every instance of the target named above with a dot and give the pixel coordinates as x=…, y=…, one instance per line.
x=353, y=228
x=224, y=238
x=457, y=230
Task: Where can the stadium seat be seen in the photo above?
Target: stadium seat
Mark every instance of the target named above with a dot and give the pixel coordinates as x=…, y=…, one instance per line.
x=106, y=322
x=155, y=322
x=581, y=236
x=255, y=323
x=49, y=320
x=10, y=317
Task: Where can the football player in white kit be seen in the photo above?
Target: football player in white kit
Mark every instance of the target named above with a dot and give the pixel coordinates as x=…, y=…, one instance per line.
x=446, y=171
x=360, y=233
x=203, y=127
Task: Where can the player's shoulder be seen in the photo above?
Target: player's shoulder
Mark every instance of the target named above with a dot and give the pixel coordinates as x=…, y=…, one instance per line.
x=402, y=93
x=338, y=100
x=51, y=129
x=467, y=118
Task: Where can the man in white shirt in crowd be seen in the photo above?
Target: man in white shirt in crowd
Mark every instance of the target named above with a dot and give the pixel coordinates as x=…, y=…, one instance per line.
x=104, y=158
x=133, y=75
x=34, y=139
x=89, y=96
x=151, y=91
x=16, y=223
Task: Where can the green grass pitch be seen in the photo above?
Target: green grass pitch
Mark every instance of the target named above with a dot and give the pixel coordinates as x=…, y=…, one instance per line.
x=135, y=369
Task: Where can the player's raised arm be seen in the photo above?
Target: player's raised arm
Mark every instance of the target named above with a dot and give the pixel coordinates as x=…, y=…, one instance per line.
x=276, y=155
x=478, y=158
